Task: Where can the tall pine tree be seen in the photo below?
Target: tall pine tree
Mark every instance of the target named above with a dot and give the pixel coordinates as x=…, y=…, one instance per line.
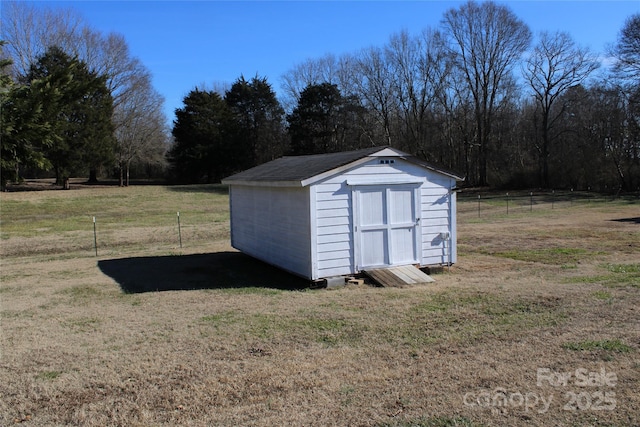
x=258, y=118
x=201, y=151
x=23, y=133
x=78, y=110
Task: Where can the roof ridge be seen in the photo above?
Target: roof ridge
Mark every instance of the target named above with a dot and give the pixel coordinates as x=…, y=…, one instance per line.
x=373, y=149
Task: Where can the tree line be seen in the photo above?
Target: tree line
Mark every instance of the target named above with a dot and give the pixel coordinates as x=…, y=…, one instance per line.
x=476, y=95
x=74, y=100
x=216, y=135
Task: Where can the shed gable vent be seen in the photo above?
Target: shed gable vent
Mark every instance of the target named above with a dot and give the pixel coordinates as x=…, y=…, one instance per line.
x=387, y=161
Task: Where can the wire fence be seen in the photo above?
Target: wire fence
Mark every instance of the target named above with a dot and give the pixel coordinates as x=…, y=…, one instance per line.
x=494, y=203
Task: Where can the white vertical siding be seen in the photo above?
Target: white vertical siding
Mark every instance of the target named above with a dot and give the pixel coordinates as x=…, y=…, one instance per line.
x=272, y=224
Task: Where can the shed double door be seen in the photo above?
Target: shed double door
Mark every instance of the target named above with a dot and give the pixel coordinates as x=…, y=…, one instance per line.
x=387, y=225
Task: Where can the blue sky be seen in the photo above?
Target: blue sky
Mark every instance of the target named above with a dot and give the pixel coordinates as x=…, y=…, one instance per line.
x=186, y=44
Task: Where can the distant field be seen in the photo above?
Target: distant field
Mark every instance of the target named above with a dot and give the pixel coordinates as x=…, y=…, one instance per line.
x=536, y=325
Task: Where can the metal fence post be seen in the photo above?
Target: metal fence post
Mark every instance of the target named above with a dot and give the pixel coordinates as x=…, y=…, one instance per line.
x=531, y=201
x=95, y=236
x=507, y=203
x=179, y=231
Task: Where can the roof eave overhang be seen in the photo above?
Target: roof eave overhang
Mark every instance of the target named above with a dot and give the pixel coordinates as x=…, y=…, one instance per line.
x=416, y=161
x=249, y=183
x=300, y=183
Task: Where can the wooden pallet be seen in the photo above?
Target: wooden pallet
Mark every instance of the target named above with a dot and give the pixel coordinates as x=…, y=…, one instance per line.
x=398, y=276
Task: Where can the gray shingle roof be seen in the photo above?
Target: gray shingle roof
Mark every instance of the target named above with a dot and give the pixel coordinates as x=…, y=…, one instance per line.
x=300, y=168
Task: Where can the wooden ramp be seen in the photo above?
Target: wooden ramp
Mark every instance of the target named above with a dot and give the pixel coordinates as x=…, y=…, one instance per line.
x=398, y=276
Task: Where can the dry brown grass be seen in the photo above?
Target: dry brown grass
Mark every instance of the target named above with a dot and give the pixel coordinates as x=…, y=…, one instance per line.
x=556, y=289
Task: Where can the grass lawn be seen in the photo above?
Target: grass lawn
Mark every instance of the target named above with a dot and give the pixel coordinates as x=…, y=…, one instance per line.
x=538, y=323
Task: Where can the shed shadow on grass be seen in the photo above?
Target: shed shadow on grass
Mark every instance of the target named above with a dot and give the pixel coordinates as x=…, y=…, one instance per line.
x=635, y=220
x=221, y=270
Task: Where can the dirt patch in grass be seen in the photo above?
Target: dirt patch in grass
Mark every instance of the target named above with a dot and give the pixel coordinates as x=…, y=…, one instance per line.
x=231, y=341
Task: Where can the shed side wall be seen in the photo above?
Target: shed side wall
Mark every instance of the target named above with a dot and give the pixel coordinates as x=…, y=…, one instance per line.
x=272, y=224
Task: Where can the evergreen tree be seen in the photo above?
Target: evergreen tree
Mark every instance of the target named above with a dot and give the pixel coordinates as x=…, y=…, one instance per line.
x=258, y=122
x=201, y=150
x=323, y=121
x=23, y=132
x=78, y=111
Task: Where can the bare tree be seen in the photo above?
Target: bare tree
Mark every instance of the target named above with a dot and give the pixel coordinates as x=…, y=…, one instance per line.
x=307, y=73
x=110, y=56
x=327, y=69
x=457, y=127
x=29, y=31
x=410, y=87
x=626, y=73
x=141, y=134
x=421, y=67
x=139, y=121
x=487, y=41
x=626, y=50
x=555, y=65
x=611, y=128
x=373, y=85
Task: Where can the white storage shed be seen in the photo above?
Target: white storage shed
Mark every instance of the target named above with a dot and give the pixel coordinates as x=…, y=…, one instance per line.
x=326, y=215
